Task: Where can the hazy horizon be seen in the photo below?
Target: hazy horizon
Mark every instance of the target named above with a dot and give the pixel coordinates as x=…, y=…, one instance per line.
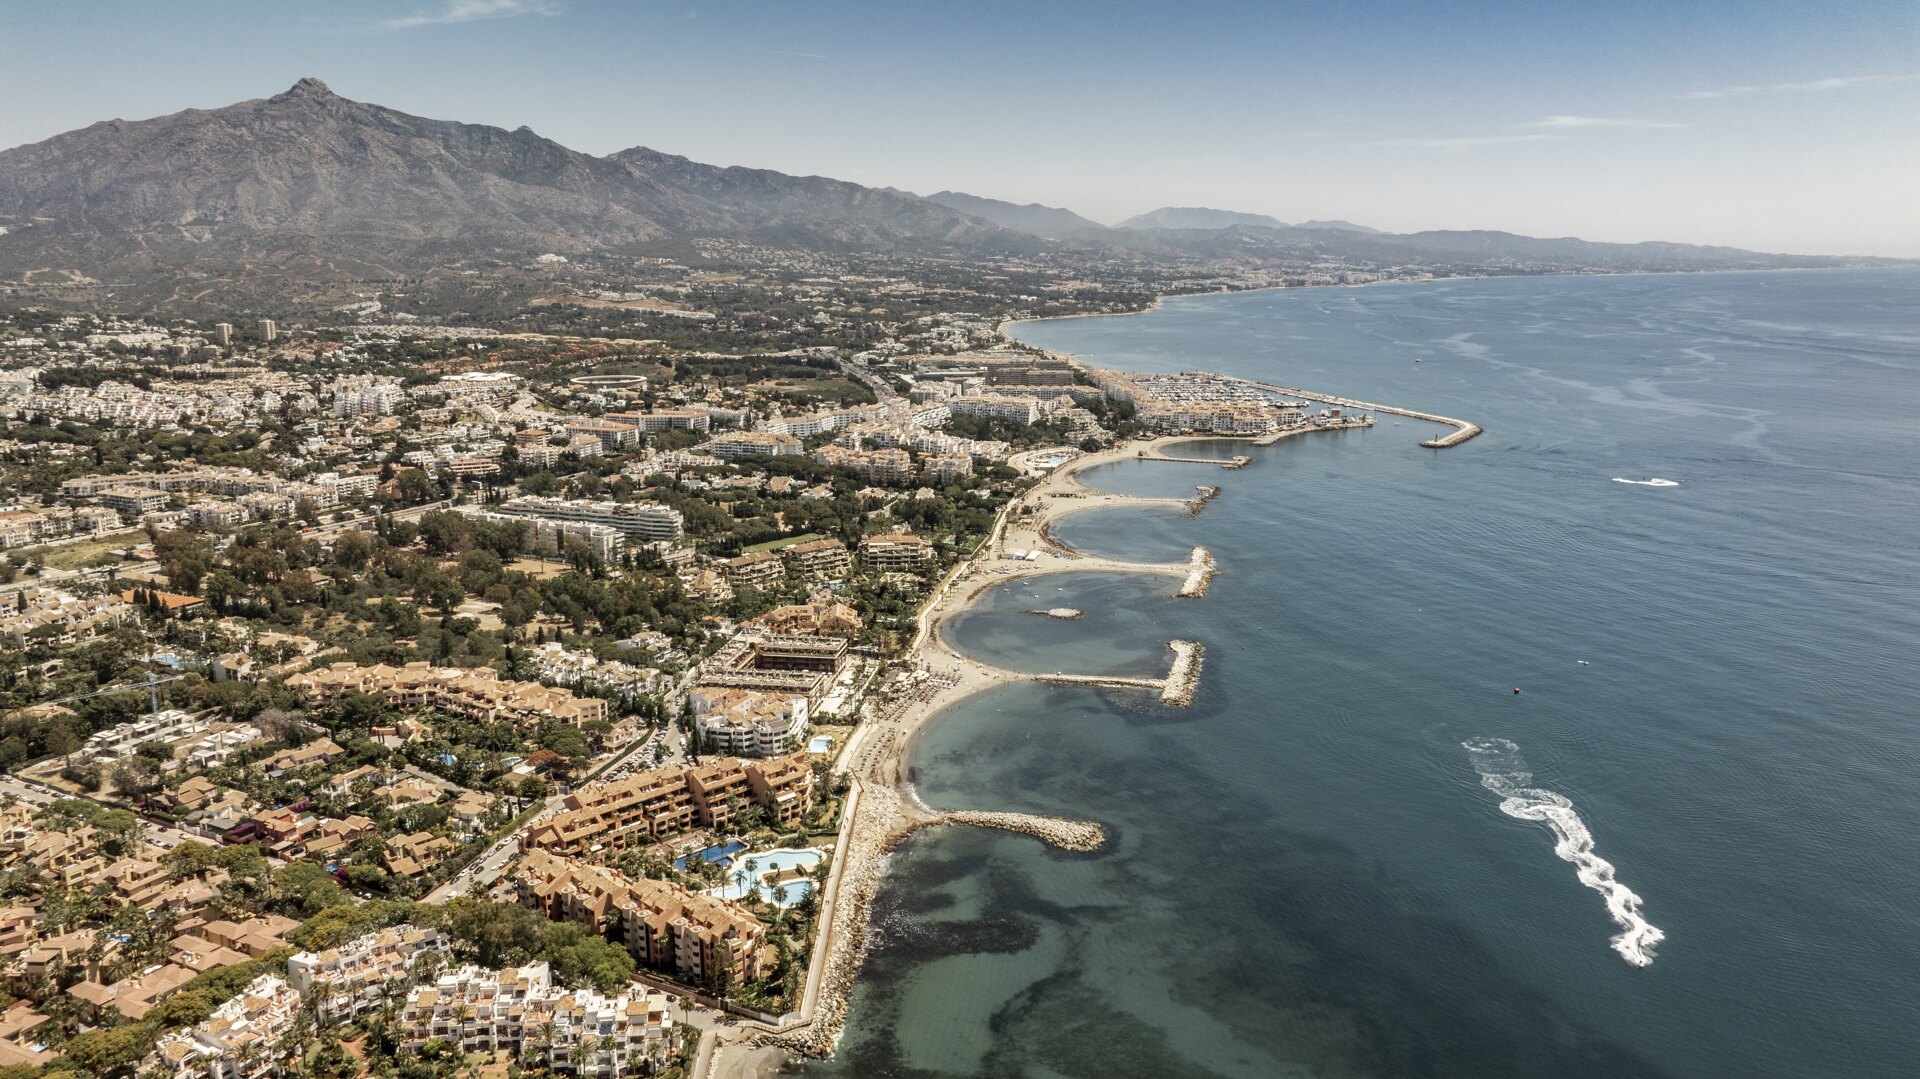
x=1767, y=127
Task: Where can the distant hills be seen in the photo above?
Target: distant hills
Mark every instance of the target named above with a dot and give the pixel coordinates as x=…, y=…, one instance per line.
x=310, y=186
x=1037, y=220
x=308, y=170
x=1341, y=225
x=1197, y=217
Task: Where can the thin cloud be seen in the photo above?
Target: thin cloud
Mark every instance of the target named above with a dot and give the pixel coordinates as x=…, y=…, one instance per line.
x=1843, y=83
x=1568, y=123
x=1469, y=142
x=458, y=11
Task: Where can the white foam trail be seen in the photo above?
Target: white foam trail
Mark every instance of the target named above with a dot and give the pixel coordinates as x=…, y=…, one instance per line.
x=1503, y=771
x=1654, y=482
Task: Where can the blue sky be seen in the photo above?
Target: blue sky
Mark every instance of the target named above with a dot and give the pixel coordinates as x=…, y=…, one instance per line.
x=1763, y=124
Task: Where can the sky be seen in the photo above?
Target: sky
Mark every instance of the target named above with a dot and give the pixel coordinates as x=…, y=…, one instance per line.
x=1767, y=124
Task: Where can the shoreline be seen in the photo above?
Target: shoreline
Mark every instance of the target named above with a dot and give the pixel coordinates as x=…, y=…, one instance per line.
x=882, y=807
x=1000, y=328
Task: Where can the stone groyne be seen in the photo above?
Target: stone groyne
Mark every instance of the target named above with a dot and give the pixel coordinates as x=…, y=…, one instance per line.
x=1183, y=679
x=1200, y=571
x=1207, y=494
x=1065, y=614
x=1073, y=835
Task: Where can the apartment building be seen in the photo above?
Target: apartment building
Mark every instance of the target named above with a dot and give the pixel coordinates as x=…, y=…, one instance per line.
x=577, y=1032
x=478, y=693
x=366, y=396
x=753, y=444
x=648, y=521
x=665, y=926
x=132, y=503
x=604, y=818
x=820, y=616
x=820, y=560
x=748, y=722
x=875, y=466
x=1020, y=410
x=356, y=973
x=236, y=1042
x=611, y=434
x=542, y=536
x=755, y=567
x=665, y=420
x=947, y=467
x=57, y=617
x=901, y=552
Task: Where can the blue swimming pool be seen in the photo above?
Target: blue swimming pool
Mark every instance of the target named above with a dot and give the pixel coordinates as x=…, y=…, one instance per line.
x=718, y=854
x=751, y=871
x=820, y=743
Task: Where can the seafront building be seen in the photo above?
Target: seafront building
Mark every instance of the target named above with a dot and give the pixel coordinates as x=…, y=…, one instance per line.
x=666, y=927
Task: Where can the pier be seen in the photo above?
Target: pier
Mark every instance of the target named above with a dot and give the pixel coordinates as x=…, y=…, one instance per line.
x=1176, y=689
x=1238, y=461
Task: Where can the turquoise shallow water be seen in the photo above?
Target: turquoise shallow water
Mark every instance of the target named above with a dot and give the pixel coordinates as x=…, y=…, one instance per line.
x=1312, y=872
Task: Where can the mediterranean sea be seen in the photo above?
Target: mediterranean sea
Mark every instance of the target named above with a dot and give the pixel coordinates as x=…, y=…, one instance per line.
x=1689, y=847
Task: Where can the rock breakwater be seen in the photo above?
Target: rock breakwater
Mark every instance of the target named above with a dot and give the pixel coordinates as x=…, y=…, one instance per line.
x=1200, y=571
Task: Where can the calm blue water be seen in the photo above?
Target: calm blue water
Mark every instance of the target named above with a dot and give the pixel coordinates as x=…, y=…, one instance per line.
x=1309, y=875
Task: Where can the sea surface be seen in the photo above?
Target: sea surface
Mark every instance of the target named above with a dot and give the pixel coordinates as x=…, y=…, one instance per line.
x=1360, y=852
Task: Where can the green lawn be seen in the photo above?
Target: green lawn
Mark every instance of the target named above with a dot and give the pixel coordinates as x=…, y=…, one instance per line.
x=774, y=545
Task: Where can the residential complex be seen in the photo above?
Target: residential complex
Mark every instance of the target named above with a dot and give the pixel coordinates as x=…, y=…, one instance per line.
x=604, y=818
x=356, y=974
x=665, y=926
x=477, y=693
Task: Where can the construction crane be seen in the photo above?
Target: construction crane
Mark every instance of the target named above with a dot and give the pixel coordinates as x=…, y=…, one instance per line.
x=151, y=685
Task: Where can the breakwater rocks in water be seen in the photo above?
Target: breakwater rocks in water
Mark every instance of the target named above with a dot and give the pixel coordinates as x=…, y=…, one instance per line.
x=1200, y=571
x=875, y=830
x=1207, y=494
x=1184, y=677
x=1074, y=835
x=1065, y=614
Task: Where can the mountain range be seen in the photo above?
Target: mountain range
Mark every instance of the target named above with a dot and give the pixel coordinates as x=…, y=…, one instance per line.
x=309, y=183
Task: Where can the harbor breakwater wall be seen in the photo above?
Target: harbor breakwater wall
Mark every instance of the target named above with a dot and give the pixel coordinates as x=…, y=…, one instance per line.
x=1463, y=430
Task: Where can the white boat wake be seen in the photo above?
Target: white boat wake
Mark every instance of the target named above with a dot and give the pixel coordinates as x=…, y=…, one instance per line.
x=1503, y=771
x=1654, y=482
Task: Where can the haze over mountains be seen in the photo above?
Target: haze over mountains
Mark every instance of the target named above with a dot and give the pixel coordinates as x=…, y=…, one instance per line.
x=312, y=183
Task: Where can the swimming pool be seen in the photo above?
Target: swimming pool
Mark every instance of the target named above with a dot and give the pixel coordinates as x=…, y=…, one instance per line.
x=820, y=743
x=772, y=861
x=718, y=854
